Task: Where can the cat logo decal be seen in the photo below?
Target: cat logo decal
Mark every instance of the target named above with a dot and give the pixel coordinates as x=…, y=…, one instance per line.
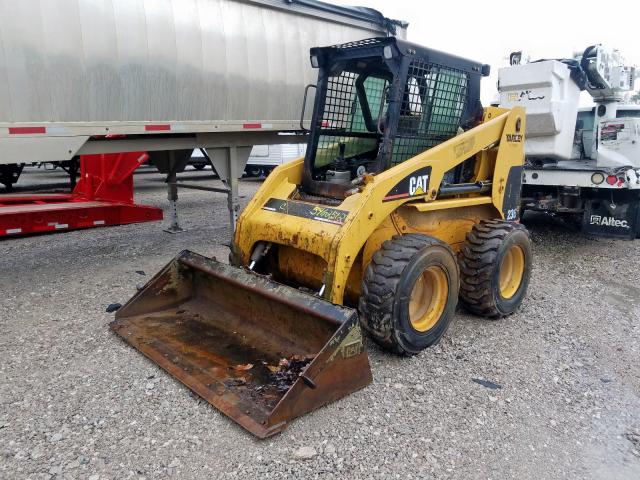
x=414, y=185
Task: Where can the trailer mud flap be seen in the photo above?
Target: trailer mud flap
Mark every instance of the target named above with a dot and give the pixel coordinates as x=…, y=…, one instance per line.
x=261, y=352
x=619, y=220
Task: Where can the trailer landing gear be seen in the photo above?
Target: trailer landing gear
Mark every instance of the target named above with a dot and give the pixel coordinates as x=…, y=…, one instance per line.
x=226, y=162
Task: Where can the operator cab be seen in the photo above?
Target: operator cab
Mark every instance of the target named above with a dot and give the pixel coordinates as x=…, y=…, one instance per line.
x=380, y=102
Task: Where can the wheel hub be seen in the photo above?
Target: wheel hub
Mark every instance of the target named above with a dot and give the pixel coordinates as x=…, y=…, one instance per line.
x=428, y=298
x=511, y=271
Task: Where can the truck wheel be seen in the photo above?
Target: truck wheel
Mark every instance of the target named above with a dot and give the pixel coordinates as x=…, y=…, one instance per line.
x=253, y=171
x=409, y=293
x=495, y=266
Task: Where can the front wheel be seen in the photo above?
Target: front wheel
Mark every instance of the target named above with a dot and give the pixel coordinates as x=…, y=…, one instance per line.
x=409, y=293
x=495, y=267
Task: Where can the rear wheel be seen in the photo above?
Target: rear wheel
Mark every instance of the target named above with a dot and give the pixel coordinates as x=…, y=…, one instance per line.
x=495, y=266
x=9, y=174
x=409, y=293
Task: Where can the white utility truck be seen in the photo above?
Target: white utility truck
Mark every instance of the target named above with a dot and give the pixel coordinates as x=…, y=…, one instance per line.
x=262, y=159
x=580, y=162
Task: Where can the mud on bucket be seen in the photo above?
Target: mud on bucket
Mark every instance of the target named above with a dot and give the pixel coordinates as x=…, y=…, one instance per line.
x=261, y=352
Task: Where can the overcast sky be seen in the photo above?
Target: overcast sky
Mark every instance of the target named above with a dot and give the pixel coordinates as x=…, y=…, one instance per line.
x=489, y=31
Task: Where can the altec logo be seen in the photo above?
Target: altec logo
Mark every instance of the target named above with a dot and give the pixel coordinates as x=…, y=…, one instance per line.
x=608, y=222
x=418, y=185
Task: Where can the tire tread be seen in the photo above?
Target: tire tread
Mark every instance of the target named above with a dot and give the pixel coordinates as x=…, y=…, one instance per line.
x=477, y=263
x=380, y=283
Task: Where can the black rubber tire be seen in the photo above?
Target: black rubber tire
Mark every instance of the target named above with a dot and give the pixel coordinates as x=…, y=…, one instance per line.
x=480, y=260
x=254, y=172
x=387, y=286
x=9, y=174
x=199, y=166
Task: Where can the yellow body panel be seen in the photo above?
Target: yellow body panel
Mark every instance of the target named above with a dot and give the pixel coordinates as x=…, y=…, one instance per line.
x=497, y=143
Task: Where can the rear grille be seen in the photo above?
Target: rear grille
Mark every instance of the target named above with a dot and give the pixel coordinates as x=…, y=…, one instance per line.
x=367, y=42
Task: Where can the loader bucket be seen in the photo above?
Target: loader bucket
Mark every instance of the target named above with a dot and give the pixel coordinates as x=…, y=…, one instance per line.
x=261, y=352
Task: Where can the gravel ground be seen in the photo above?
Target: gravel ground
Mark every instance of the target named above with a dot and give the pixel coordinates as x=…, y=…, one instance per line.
x=76, y=402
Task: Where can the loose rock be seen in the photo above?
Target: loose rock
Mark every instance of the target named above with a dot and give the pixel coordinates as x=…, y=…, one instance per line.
x=305, y=453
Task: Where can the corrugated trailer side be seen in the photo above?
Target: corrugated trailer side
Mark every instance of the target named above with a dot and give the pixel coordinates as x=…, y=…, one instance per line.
x=73, y=72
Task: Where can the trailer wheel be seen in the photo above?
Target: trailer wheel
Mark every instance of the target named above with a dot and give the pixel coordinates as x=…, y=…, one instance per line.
x=495, y=267
x=409, y=293
x=9, y=174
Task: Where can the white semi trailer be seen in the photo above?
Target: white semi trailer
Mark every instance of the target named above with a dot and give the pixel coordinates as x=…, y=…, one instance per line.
x=163, y=76
x=583, y=163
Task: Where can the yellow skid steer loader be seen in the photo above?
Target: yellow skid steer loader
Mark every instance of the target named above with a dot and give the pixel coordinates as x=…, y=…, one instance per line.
x=407, y=201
